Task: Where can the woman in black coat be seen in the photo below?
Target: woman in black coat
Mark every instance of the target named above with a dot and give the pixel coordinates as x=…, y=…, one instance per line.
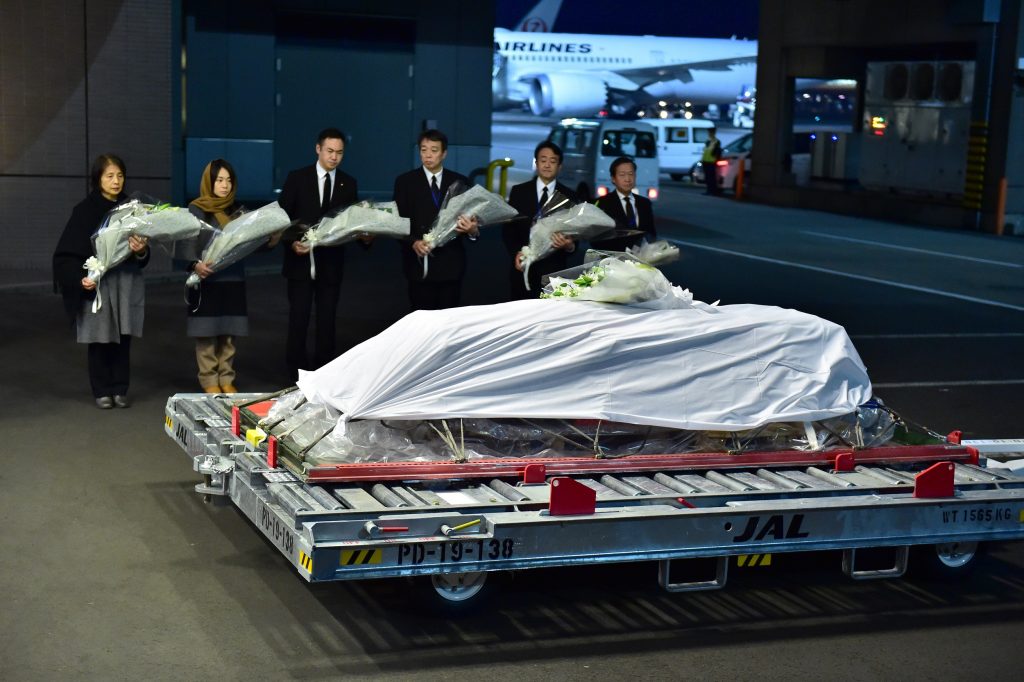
x=108, y=330
x=217, y=309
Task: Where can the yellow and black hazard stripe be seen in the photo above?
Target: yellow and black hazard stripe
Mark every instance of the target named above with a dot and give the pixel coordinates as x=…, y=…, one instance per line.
x=974, y=170
x=752, y=560
x=306, y=561
x=360, y=557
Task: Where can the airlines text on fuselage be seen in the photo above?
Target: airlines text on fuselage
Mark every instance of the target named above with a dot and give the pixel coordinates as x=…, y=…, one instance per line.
x=509, y=46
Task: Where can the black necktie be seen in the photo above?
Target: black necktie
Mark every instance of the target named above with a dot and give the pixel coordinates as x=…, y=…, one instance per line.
x=435, y=190
x=326, y=202
x=543, y=201
x=630, y=216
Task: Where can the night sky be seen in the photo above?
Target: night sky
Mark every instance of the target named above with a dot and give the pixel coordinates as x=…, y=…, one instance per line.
x=686, y=18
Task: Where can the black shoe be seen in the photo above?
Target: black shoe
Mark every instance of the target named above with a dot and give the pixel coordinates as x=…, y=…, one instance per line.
x=122, y=401
x=105, y=403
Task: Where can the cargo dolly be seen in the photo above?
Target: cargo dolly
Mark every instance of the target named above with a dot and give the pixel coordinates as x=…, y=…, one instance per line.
x=458, y=522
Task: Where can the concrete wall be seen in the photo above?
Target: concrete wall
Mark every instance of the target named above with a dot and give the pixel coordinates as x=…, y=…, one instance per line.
x=83, y=77
x=231, y=89
x=77, y=79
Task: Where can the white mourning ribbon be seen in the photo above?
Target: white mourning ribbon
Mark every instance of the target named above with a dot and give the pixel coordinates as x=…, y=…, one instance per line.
x=429, y=239
x=96, y=270
x=528, y=255
x=526, y=261
x=311, y=238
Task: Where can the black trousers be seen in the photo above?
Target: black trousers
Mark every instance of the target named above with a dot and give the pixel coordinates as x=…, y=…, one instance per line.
x=108, y=367
x=711, y=177
x=302, y=295
x=434, y=295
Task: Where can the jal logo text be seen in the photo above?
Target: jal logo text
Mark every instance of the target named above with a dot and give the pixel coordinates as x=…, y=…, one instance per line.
x=774, y=527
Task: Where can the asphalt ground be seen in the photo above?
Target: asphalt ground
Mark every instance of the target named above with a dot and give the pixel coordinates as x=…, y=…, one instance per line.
x=113, y=568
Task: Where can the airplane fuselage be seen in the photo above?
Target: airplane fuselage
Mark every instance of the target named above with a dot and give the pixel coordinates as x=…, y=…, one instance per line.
x=526, y=63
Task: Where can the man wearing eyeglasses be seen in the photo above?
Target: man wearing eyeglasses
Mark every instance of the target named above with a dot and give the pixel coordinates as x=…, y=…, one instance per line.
x=308, y=194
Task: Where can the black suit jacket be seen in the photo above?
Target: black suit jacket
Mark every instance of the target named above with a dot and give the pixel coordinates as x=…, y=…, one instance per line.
x=612, y=205
x=516, y=234
x=415, y=202
x=300, y=198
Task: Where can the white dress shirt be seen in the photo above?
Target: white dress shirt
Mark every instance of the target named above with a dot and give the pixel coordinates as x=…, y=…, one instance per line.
x=320, y=173
x=541, y=186
x=632, y=200
x=430, y=176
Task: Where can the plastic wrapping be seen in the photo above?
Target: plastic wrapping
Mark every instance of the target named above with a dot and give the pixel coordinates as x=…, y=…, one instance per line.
x=621, y=280
x=283, y=406
x=657, y=253
x=461, y=440
x=307, y=425
x=141, y=216
x=582, y=221
x=241, y=237
x=477, y=202
x=357, y=220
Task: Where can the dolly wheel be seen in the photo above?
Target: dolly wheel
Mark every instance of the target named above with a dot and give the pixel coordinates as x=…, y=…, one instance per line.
x=948, y=561
x=458, y=587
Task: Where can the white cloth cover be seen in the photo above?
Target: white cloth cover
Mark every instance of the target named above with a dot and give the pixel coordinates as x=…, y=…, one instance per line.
x=728, y=368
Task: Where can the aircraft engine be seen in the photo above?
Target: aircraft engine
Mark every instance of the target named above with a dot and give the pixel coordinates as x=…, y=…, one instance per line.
x=562, y=94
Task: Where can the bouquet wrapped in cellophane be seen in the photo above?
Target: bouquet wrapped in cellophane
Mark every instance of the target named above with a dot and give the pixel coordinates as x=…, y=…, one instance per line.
x=241, y=237
x=657, y=253
x=582, y=221
x=621, y=280
x=357, y=220
x=142, y=217
x=476, y=201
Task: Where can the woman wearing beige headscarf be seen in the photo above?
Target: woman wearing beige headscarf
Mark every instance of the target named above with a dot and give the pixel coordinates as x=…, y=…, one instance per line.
x=217, y=309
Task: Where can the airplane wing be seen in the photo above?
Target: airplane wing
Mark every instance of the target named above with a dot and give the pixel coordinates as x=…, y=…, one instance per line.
x=634, y=79
x=681, y=71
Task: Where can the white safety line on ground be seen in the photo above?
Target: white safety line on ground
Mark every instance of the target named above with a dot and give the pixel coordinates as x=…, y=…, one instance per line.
x=942, y=384
x=850, y=275
x=943, y=254
x=939, y=335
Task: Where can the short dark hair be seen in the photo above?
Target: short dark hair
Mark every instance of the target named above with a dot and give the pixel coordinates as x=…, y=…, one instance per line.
x=621, y=160
x=100, y=165
x=332, y=133
x=215, y=167
x=433, y=135
x=548, y=144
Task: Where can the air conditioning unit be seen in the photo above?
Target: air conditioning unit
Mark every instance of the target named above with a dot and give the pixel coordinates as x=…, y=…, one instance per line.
x=916, y=126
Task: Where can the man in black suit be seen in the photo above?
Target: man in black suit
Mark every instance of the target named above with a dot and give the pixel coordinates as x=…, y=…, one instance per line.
x=629, y=210
x=529, y=198
x=419, y=195
x=308, y=194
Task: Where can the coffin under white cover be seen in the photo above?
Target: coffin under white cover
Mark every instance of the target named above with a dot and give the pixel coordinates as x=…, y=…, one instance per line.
x=727, y=368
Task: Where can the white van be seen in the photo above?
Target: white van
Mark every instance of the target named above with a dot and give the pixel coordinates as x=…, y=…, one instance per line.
x=590, y=146
x=680, y=143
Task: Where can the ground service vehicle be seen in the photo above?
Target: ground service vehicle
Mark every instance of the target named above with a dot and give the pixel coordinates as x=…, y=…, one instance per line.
x=680, y=143
x=590, y=146
x=458, y=522
x=739, y=151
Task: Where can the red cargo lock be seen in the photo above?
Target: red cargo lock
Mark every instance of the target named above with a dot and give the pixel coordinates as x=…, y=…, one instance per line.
x=935, y=481
x=570, y=498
